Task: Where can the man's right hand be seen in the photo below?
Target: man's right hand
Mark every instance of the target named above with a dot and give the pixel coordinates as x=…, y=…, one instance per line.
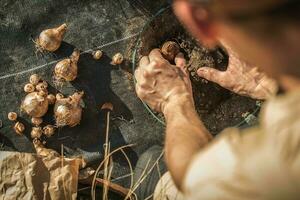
x=162, y=85
x=167, y=88
x=241, y=78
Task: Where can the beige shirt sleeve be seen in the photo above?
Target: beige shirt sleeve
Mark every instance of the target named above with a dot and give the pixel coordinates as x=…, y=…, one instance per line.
x=262, y=163
x=211, y=167
x=245, y=165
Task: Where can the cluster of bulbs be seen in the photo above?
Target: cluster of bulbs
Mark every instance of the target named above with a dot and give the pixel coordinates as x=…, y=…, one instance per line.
x=67, y=110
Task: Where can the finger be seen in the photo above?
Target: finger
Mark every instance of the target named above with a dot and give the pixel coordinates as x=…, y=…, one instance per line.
x=139, y=92
x=180, y=60
x=144, y=61
x=155, y=55
x=154, y=67
x=147, y=74
x=138, y=74
x=211, y=74
x=145, y=80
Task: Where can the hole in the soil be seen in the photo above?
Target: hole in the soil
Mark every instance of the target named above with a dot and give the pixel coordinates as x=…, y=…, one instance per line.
x=217, y=107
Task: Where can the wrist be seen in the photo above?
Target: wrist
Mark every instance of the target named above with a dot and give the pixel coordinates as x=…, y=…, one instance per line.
x=266, y=89
x=178, y=105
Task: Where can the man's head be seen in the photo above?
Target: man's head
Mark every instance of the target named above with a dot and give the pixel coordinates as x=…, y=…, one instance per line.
x=265, y=33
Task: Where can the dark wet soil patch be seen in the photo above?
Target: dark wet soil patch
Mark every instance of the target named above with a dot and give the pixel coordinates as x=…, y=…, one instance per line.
x=217, y=107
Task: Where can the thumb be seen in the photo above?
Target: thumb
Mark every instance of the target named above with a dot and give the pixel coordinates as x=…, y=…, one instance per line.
x=180, y=60
x=211, y=74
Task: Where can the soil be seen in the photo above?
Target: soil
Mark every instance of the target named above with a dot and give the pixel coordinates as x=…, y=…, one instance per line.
x=217, y=107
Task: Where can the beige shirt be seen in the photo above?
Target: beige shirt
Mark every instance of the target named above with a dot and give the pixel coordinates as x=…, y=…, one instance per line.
x=258, y=163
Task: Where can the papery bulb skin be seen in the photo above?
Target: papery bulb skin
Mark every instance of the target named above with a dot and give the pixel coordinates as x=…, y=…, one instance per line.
x=117, y=59
x=36, y=132
x=50, y=39
x=34, y=79
x=67, y=69
x=67, y=111
x=97, y=54
x=35, y=104
x=51, y=99
x=36, y=121
x=12, y=116
x=49, y=130
x=28, y=88
x=19, y=128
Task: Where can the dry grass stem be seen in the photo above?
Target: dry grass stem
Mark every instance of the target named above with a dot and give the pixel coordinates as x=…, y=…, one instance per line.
x=100, y=165
x=144, y=175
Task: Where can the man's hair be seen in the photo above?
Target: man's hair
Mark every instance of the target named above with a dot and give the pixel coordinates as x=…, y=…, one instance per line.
x=258, y=17
x=265, y=20
x=238, y=10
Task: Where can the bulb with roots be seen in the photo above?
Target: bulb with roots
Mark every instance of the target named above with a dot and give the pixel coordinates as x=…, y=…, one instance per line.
x=67, y=111
x=67, y=69
x=50, y=39
x=35, y=104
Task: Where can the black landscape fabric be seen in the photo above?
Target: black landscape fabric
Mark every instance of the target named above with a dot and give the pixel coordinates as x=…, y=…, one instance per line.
x=110, y=25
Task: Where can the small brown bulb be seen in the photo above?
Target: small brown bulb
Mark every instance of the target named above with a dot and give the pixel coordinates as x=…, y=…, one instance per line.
x=34, y=79
x=41, y=150
x=41, y=86
x=29, y=88
x=49, y=130
x=19, y=128
x=97, y=54
x=117, y=59
x=59, y=96
x=43, y=93
x=12, y=116
x=169, y=50
x=36, y=121
x=36, y=132
x=51, y=99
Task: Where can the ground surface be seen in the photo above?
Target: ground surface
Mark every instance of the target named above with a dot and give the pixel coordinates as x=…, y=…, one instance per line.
x=91, y=23
x=110, y=25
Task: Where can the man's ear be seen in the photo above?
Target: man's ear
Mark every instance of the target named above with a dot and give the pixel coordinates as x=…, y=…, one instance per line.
x=197, y=21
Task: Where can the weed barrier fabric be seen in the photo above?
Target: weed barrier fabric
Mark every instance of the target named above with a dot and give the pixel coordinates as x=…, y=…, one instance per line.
x=109, y=25
x=112, y=26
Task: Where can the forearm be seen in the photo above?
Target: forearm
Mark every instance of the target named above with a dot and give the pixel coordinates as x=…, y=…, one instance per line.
x=167, y=88
x=185, y=136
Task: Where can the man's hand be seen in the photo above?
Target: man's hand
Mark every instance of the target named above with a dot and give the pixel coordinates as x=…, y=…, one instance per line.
x=241, y=78
x=161, y=84
x=167, y=88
